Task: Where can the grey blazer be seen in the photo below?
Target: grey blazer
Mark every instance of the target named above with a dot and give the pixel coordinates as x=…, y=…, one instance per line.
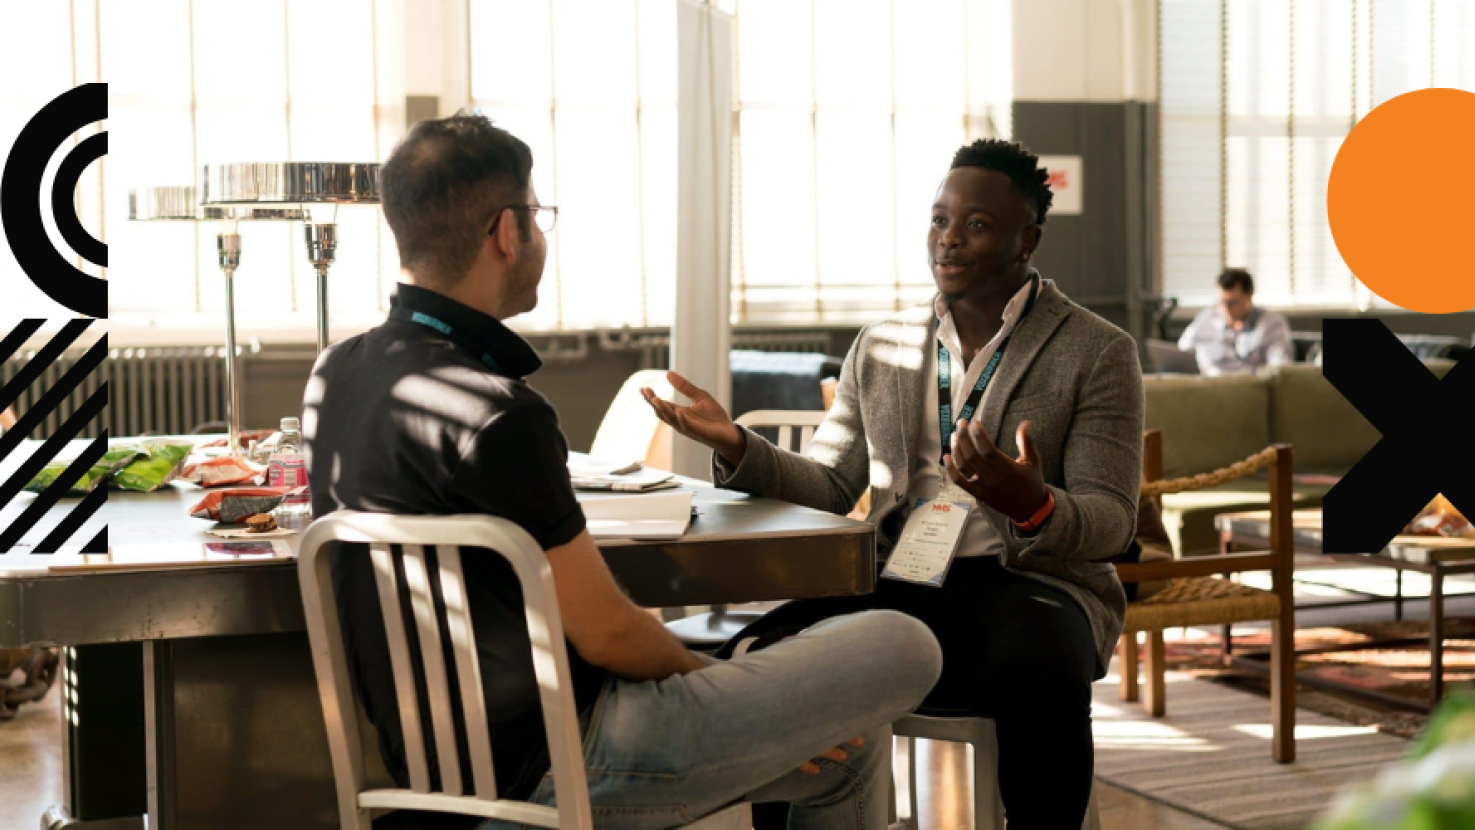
x=1073, y=375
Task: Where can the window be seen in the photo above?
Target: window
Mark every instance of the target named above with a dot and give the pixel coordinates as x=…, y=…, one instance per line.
x=846, y=117
x=848, y=114
x=1255, y=99
x=194, y=82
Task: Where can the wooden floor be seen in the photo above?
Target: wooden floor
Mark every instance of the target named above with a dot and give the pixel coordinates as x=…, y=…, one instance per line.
x=30, y=779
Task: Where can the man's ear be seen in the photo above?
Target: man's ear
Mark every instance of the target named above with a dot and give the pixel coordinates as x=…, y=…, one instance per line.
x=1032, y=236
x=506, y=239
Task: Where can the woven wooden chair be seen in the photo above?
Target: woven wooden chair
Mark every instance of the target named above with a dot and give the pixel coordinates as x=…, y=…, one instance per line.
x=1198, y=595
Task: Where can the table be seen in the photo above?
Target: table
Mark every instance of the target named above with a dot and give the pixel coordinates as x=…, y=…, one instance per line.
x=195, y=695
x=1435, y=556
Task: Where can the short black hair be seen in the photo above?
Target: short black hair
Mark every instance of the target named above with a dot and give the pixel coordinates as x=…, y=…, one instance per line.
x=1239, y=277
x=442, y=185
x=1015, y=161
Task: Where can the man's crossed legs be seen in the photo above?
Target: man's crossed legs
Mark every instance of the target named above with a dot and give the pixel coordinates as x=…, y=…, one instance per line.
x=662, y=754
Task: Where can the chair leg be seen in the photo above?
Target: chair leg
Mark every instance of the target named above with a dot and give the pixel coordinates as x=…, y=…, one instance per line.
x=1154, y=701
x=914, y=821
x=1283, y=690
x=988, y=805
x=1127, y=666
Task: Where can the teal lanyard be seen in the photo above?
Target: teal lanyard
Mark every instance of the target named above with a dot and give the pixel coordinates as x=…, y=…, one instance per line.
x=945, y=418
x=470, y=344
x=945, y=391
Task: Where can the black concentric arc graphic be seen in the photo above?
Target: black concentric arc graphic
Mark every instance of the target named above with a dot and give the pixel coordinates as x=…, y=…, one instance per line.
x=21, y=199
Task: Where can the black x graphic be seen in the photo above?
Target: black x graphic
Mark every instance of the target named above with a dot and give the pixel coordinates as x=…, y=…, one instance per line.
x=1427, y=446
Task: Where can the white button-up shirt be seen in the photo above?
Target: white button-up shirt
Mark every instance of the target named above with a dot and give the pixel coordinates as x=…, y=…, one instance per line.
x=1264, y=341
x=979, y=538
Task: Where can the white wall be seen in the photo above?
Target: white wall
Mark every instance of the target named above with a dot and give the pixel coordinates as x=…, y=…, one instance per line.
x=1084, y=50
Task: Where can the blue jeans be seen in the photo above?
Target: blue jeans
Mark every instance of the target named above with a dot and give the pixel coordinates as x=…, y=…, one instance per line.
x=663, y=754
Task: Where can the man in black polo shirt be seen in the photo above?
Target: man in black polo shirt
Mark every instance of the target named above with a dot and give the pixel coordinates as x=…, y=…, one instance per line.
x=429, y=414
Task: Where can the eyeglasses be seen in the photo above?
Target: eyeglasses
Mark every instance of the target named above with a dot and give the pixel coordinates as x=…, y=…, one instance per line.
x=546, y=216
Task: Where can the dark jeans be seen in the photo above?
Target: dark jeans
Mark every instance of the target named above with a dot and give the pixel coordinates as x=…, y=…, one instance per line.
x=1014, y=650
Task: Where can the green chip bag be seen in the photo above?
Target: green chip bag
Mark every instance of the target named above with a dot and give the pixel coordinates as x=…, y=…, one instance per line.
x=116, y=458
x=147, y=474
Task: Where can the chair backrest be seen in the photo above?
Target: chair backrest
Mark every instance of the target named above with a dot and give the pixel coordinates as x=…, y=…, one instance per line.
x=630, y=430
x=785, y=421
x=1152, y=458
x=446, y=535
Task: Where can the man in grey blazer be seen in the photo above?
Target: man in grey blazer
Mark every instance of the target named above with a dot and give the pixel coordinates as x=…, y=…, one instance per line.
x=1026, y=411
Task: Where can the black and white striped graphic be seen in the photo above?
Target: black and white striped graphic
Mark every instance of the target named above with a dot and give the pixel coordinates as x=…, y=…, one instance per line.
x=16, y=523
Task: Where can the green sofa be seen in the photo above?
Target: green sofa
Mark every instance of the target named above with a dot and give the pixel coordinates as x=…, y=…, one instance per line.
x=1208, y=423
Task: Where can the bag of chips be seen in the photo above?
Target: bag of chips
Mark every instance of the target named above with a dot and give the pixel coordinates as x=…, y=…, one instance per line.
x=159, y=467
x=233, y=506
x=116, y=458
x=218, y=472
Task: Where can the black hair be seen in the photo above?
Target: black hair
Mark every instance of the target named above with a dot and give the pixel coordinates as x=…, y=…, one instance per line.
x=1015, y=161
x=1233, y=277
x=443, y=184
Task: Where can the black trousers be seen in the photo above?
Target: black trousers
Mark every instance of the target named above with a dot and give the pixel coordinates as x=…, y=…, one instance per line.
x=1014, y=650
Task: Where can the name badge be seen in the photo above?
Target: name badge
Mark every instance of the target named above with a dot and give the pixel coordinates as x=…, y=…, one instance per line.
x=925, y=551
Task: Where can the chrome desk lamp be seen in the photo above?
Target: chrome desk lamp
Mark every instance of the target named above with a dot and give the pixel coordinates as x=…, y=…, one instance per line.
x=181, y=204
x=318, y=187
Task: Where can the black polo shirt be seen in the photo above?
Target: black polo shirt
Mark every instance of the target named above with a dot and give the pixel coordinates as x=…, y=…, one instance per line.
x=428, y=414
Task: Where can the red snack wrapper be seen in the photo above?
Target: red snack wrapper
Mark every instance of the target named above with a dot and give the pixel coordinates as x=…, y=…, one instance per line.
x=219, y=472
x=233, y=506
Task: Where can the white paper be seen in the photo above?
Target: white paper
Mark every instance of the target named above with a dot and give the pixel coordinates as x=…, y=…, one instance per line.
x=646, y=516
x=925, y=549
x=636, y=482
x=585, y=466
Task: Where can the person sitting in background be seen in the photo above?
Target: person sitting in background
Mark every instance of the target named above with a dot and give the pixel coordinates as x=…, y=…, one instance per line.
x=429, y=414
x=1235, y=336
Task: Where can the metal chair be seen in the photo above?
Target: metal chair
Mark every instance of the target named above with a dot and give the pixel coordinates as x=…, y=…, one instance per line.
x=988, y=807
x=447, y=535
x=707, y=632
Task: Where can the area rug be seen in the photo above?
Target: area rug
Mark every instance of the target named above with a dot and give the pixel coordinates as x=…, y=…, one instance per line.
x=1210, y=755
x=1401, y=672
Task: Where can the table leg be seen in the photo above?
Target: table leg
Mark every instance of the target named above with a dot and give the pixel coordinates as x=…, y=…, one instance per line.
x=1398, y=595
x=1436, y=636
x=102, y=691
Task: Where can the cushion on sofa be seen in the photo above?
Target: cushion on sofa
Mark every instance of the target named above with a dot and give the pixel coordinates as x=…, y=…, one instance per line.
x=1207, y=423
x=1189, y=517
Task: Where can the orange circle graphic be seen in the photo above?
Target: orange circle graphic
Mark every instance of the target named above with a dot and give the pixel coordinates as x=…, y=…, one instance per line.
x=1401, y=200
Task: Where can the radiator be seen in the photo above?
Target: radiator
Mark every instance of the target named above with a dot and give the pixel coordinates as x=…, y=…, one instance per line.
x=161, y=391
x=656, y=350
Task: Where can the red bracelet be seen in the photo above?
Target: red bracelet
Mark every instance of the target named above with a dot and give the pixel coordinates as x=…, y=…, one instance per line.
x=1033, y=523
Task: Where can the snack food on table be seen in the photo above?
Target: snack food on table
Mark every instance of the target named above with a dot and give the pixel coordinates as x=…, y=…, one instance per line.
x=233, y=506
x=117, y=457
x=161, y=464
x=261, y=523
x=219, y=472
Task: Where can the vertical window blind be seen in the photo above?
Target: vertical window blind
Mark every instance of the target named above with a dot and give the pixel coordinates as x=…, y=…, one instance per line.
x=1255, y=99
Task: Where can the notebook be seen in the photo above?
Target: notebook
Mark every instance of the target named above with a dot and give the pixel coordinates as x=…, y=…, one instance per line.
x=656, y=516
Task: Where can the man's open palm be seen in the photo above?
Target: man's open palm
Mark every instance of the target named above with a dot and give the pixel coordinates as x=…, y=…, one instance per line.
x=704, y=420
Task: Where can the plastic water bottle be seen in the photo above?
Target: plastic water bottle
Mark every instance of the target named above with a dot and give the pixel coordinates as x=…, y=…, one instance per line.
x=287, y=468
